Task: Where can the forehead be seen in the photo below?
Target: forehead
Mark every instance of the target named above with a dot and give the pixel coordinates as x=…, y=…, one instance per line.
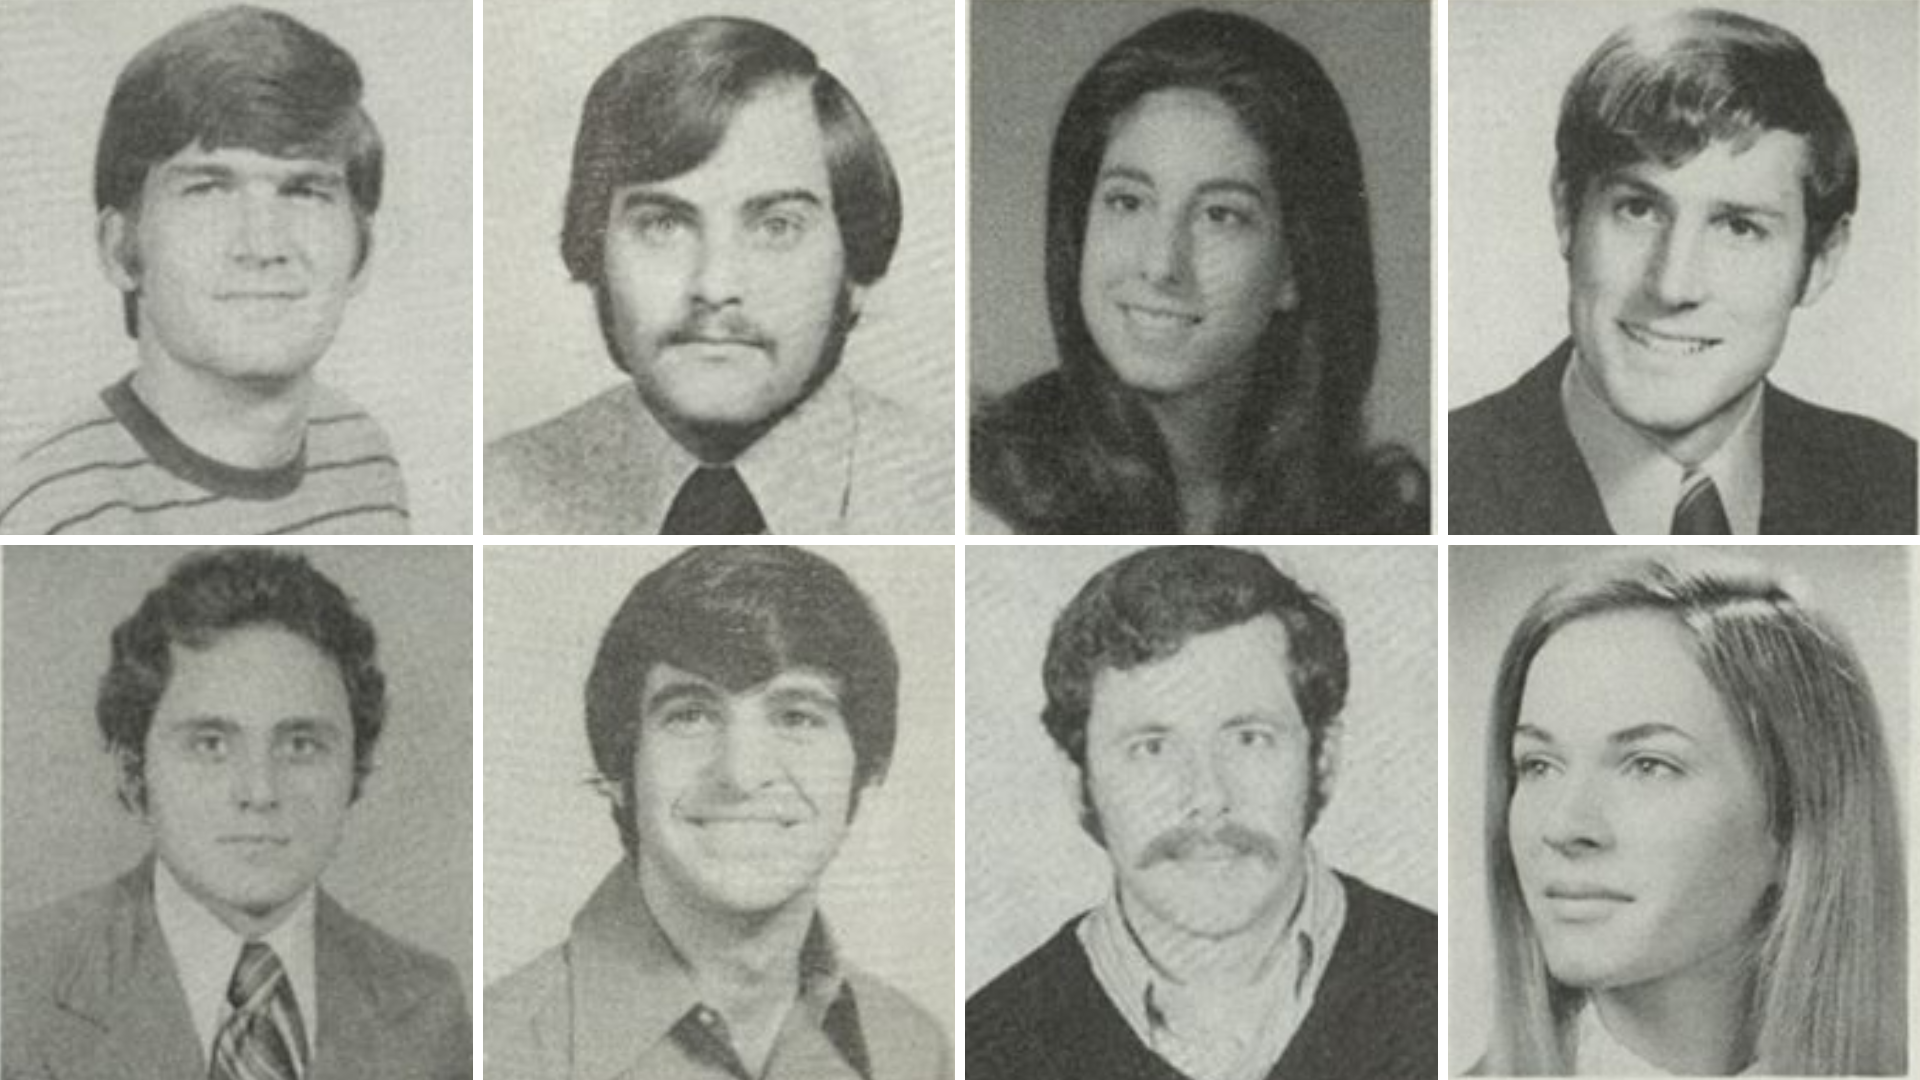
x=666, y=682
x=773, y=144
x=1611, y=672
x=1185, y=137
x=1770, y=172
x=1214, y=679
x=253, y=676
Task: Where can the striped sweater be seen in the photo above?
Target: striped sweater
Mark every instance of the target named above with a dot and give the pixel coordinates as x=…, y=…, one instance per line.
x=118, y=469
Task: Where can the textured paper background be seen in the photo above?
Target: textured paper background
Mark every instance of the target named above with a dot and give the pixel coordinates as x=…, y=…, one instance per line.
x=406, y=862
x=405, y=350
x=1030, y=867
x=549, y=840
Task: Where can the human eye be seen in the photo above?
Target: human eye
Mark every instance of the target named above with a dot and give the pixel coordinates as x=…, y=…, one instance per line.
x=1634, y=209
x=1226, y=217
x=659, y=227
x=798, y=720
x=207, y=744
x=1532, y=766
x=689, y=719
x=1653, y=767
x=1145, y=747
x=305, y=745
x=321, y=192
x=1122, y=200
x=1254, y=737
x=780, y=230
x=1745, y=229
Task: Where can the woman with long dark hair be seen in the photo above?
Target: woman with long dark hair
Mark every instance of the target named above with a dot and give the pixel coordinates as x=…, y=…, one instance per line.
x=1210, y=283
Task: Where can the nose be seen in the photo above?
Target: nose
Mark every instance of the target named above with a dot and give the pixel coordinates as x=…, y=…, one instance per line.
x=1677, y=275
x=260, y=234
x=255, y=781
x=716, y=277
x=1576, y=820
x=1205, y=795
x=1165, y=251
x=748, y=759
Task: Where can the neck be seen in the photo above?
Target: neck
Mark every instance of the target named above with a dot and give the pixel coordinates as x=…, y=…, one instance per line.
x=746, y=964
x=252, y=425
x=1199, y=430
x=1693, y=1023
x=1212, y=962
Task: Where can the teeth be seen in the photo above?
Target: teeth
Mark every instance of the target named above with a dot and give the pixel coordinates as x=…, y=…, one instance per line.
x=1159, y=320
x=1667, y=345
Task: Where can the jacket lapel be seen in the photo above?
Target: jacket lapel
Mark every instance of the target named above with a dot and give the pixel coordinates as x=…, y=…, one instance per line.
x=127, y=989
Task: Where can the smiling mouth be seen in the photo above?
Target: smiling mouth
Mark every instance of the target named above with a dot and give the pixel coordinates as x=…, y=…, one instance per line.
x=1158, y=320
x=1666, y=344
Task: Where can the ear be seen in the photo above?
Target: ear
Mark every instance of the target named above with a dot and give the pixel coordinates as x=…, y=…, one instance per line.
x=360, y=270
x=609, y=789
x=1564, y=210
x=856, y=301
x=118, y=248
x=1824, y=265
x=1073, y=780
x=1287, y=297
x=1326, y=765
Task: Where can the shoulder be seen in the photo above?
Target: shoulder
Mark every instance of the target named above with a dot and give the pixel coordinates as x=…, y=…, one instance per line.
x=1386, y=918
x=45, y=944
x=1833, y=471
x=1505, y=421
x=529, y=1018
x=903, y=1040
x=72, y=467
x=404, y=978
x=538, y=477
x=1387, y=958
x=1019, y=457
x=1045, y=1010
x=903, y=467
x=336, y=419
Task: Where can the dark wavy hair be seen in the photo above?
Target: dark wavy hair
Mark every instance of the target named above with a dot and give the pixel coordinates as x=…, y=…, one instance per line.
x=1075, y=451
x=1147, y=606
x=209, y=594
x=663, y=106
x=238, y=77
x=1665, y=89
x=739, y=616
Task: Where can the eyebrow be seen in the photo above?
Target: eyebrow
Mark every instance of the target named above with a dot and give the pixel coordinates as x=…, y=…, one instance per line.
x=1206, y=187
x=818, y=696
x=1634, y=734
x=758, y=204
x=1660, y=195
x=228, y=726
x=318, y=172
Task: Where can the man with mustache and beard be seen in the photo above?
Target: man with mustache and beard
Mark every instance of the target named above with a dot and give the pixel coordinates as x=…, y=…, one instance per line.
x=1196, y=692
x=729, y=208
x=741, y=704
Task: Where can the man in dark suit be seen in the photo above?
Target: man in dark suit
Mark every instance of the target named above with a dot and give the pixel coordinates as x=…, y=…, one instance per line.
x=1196, y=692
x=242, y=705
x=1691, y=235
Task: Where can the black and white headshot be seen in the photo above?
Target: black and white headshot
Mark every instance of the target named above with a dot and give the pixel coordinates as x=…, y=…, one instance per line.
x=1196, y=804
x=1675, y=811
x=1731, y=199
x=237, y=791
x=1198, y=237
x=741, y=191
x=240, y=300
x=719, y=818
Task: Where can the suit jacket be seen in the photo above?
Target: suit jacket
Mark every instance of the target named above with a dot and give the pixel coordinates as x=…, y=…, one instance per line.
x=1513, y=467
x=90, y=994
x=1375, y=1014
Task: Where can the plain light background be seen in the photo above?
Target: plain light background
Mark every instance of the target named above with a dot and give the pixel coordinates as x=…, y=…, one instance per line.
x=1510, y=62
x=1024, y=60
x=405, y=349
x=406, y=861
x=549, y=838
x=1030, y=866
x=1863, y=590
x=544, y=351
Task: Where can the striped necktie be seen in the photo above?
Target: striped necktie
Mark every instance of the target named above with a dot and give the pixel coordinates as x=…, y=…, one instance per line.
x=1700, y=512
x=264, y=1039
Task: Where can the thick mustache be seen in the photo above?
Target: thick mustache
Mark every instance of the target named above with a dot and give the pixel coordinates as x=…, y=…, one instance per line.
x=728, y=325
x=1185, y=840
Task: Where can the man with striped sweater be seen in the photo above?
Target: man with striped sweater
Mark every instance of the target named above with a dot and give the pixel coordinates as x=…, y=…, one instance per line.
x=236, y=180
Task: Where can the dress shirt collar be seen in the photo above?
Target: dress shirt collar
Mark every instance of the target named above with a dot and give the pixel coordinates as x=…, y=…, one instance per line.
x=1240, y=1036
x=205, y=952
x=800, y=472
x=1639, y=484
x=632, y=986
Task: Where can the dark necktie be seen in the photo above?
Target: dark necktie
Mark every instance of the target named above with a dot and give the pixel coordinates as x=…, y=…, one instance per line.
x=264, y=1039
x=714, y=501
x=1700, y=512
